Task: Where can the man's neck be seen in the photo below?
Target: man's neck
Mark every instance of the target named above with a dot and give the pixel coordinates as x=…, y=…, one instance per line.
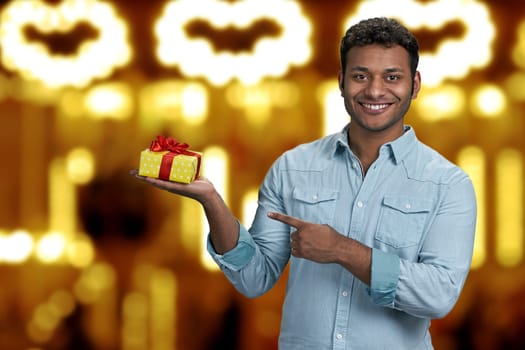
x=365, y=145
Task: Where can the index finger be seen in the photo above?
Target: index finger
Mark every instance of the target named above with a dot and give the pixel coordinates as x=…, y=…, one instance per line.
x=286, y=219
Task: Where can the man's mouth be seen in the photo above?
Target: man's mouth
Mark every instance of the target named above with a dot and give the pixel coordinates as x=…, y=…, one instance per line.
x=375, y=107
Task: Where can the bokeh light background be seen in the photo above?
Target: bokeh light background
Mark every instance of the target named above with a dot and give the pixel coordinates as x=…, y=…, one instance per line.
x=92, y=259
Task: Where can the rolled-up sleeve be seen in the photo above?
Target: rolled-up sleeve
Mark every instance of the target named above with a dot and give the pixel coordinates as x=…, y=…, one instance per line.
x=239, y=256
x=384, y=277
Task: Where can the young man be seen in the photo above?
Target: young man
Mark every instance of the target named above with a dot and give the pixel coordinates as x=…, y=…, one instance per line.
x=378, y=228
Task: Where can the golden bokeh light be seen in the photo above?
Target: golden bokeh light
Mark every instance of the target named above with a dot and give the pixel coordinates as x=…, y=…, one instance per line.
x=509, y=214
x=15, y=247
x=443, y=102
x=80, y=166
x=489, y=101
x=110, y=100
x=51, y=247
x=94, y=59
x=197, y=57
x=472, y=160
x=215, y=168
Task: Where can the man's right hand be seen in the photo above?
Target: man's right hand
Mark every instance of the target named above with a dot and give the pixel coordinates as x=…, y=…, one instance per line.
x=201, y=189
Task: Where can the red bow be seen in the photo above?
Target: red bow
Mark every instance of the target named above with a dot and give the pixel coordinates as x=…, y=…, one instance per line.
x=162, y=143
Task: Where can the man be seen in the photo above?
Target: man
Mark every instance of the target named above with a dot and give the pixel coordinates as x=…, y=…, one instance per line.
x=378, y=228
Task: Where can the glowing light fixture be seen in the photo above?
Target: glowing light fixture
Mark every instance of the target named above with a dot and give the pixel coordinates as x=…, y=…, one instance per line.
x=80, y=165
x=51, y=247
x=489, y=101
x=518, y=51
x=509, y=208
x=111, y=101
x=95, y=58
x=271, y=57
x=453, y=58
x=335, y=116
x=514, y=86
x=443, y=102
x=249, y=206
x=16, y=247
x=215, y=168
x=472, y=160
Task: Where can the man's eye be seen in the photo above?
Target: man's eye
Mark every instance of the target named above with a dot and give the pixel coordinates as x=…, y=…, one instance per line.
x=360, y=77
x=393, y=77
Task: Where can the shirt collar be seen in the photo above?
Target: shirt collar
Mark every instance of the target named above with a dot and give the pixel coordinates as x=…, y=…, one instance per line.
x=398, y=149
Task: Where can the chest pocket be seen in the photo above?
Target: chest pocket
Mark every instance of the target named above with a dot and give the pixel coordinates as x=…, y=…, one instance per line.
x=314, y=204
x=401, y=220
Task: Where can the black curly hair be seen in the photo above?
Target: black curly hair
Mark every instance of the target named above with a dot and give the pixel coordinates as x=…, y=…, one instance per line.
x=383, y=31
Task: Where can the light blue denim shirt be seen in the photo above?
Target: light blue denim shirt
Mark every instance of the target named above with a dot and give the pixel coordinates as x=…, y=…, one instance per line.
x=414, y=208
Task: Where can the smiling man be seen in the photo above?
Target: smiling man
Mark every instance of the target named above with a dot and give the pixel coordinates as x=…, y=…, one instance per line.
x=378, y=228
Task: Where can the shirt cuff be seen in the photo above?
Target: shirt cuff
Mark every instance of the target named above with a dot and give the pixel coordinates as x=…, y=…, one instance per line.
x=239, y=256
x=384, y=277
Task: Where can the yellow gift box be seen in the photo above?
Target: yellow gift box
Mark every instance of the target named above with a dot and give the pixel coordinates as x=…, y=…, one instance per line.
x=168, y=159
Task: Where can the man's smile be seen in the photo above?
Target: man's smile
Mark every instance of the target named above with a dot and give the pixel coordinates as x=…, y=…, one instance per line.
x=375, y=107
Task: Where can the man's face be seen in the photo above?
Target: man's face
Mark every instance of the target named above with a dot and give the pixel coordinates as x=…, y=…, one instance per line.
x=378, y=88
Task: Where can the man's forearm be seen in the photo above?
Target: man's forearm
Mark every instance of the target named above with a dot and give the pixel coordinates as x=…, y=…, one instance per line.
x=224, y=227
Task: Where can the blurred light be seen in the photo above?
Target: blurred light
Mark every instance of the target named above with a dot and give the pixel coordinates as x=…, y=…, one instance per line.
x=169, y=99
x=94, y=282
x=51, y=247
x=80, y=165
x=163, y=292
x=489, y=101
x=215, y=168
x=62, y=199
x=80, y=251
x=16, y=247
x=443, y=102
x=257, y=101
x=518, y=51
x=135, y=314
x=515, y=86
x=110, y=100
x=196, y=57
x=335, y=116
x=46, y=317
x=63, y=301
x=95, y=58
x=509, y=208
x=5, y=87
x=249, y=206
x=472, y=160
x=71, y=103
x=453, y=58
x=194, y=102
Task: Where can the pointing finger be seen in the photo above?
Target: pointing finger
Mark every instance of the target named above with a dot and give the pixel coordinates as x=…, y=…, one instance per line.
x=286, y=219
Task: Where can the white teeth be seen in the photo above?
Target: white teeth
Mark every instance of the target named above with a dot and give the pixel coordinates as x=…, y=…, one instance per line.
x=375, y=107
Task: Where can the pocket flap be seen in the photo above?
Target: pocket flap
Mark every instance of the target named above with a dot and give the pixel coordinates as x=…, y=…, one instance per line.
x=314, y=195
x=408, y=204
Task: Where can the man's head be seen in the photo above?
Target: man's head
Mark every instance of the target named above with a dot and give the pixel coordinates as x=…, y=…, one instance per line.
x=383, y=31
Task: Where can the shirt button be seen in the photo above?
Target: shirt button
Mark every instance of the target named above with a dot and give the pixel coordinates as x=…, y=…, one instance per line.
x=345, y=293
x=314, y=197
x=360, y=204
x=339, y=336
x=408, y=206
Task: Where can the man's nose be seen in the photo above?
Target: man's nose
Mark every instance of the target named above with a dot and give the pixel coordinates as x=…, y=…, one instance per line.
x=375, y=88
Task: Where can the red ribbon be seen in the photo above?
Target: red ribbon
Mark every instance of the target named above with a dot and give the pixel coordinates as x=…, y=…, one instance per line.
x=162, y=143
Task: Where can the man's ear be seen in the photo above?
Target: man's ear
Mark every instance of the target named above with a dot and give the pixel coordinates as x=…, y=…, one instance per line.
x=416, y=84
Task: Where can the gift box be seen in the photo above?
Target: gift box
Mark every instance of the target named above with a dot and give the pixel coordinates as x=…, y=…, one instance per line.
x=169, y=159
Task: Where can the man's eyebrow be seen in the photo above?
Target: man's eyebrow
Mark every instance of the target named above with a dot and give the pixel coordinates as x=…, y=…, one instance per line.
x=387, y=70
